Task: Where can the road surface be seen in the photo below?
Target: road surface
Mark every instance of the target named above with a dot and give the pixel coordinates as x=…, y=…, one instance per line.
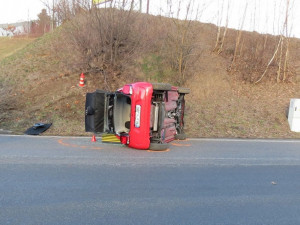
x=65, y=180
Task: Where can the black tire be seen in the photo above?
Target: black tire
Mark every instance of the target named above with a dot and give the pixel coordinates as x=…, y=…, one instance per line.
x=182, y=90
x=161, y=87
x=158, y=146
x=180, y=136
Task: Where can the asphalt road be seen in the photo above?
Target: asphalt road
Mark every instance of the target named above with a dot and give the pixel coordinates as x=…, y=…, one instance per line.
x=61, y=180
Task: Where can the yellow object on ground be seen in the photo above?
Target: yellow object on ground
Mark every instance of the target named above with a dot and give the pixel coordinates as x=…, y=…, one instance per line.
x=110, y=138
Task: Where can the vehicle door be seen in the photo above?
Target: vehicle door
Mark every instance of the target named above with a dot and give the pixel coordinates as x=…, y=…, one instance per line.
x=96, y=111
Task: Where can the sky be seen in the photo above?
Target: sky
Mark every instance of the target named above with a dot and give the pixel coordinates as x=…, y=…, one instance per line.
x=261, y=15
x=264, y=16
x=12, y=11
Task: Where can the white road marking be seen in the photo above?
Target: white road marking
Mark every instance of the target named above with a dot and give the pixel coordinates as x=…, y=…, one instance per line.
x=247, y=140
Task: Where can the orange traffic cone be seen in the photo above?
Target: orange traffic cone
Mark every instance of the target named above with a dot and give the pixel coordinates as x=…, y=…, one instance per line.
x=93, y=139
x=81, y=81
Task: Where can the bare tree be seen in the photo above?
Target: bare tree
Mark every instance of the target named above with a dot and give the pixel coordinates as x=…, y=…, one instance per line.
x=180, y=46
x=271, y=60
x=238, y=37
x=282, y=49
x=221, y=36
x=219, y=24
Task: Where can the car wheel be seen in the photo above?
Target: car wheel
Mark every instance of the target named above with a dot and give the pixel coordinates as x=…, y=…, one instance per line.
x=180, y=136
x=158, y=146
x=182, y=90
x=162, y=86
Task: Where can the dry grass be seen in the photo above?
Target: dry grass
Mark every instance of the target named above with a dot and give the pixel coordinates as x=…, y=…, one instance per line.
x=9, y=46
x=218, y=106
x=35, y=89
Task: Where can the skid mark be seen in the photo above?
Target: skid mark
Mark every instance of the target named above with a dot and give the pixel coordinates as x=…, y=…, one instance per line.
x=180, y=145
x=167, y=150
x=62, y=142
x=187, y=139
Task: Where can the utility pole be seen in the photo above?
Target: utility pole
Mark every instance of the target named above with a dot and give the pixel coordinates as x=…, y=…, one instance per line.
x=148, y=6
x=141, y=6
x=28, y=25
x=52, y=24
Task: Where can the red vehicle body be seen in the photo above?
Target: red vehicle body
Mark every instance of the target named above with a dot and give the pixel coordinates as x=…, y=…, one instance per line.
x=142, y=115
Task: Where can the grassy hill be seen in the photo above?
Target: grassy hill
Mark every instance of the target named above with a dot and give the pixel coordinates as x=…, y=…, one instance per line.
x=39, y=83
x=9, y=46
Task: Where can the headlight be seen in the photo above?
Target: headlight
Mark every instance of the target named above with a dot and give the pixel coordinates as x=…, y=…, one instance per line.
x=137, y=121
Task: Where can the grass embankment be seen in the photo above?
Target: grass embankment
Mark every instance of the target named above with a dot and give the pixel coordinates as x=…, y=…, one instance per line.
x=33, y=89
x=9, y=46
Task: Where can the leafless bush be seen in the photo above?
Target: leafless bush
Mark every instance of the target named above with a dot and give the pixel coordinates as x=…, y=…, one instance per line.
x=255, y=56
x=255, y=50
x=101, y=39
x=180, y=47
